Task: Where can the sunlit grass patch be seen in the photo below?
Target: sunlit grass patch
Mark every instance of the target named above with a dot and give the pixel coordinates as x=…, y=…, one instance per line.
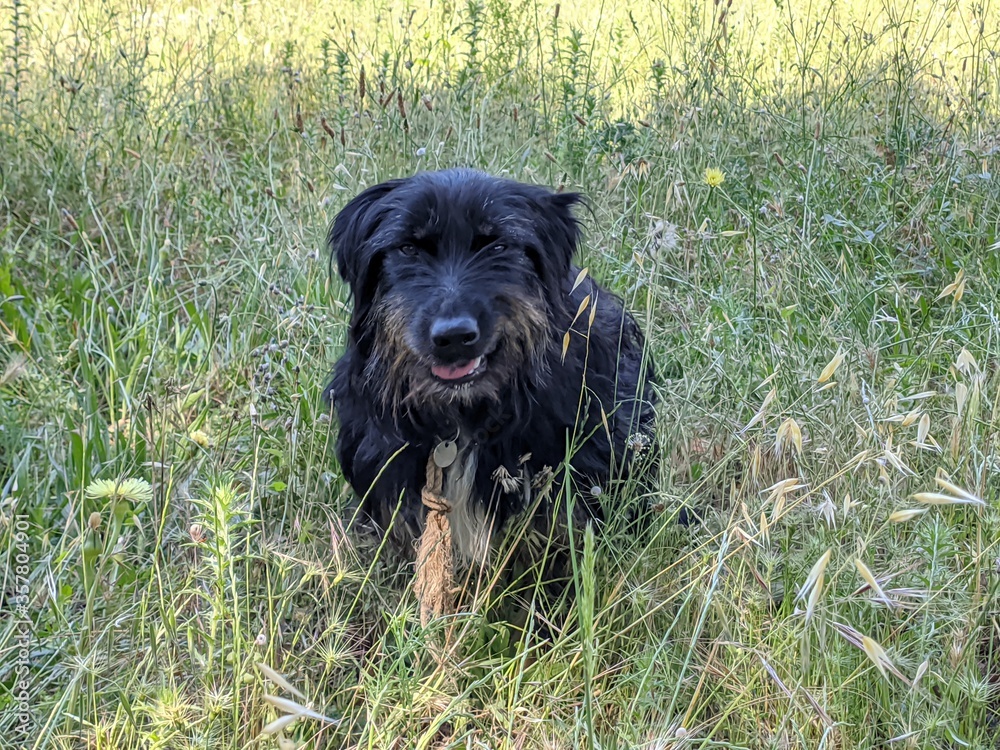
x=799, y=201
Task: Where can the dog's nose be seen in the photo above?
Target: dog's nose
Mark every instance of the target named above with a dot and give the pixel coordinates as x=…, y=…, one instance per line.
x=454, y=338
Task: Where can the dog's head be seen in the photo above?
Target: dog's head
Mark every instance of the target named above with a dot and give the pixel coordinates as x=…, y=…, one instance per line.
x=456, y=278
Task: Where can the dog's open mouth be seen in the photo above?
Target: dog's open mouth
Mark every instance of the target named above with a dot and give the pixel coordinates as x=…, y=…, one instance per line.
x=460, y=372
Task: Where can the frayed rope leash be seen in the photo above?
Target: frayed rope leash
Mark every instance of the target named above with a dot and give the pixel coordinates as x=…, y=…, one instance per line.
x=433, y=580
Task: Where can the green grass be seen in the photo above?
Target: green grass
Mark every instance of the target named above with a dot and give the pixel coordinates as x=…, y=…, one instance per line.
x=167, y=177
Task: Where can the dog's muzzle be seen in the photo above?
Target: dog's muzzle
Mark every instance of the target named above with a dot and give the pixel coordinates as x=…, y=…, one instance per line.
x=454, y=343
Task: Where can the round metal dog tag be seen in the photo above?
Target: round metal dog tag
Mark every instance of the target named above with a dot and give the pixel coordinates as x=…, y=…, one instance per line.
x=445, y=453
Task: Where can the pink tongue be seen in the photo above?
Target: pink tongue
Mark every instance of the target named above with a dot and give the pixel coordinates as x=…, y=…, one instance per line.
x=454, y=372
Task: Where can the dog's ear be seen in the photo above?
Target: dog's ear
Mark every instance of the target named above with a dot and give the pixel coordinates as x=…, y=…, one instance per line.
x=356, y=263
x=559, y=231
x=352, y=228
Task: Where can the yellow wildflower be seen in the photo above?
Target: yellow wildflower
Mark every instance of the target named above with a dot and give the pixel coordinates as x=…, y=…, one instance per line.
x=714, y=177
x=134, y=490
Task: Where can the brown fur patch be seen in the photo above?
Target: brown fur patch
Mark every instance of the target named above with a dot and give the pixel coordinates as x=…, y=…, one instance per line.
x=392, y=357
x=528, y=330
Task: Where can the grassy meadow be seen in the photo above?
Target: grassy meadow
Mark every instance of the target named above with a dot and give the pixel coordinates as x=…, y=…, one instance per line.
x=799, y=199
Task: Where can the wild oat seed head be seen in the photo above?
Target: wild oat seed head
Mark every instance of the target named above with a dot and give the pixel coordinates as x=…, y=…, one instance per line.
x=813, y=586
x=831, y=368
x=828, y=511
x=869, y=578
x=874, y=651
x=939, y=498
x=788, y=439
x=965, y=362
x=901, y=516
x=942, y=481
x=923, y=429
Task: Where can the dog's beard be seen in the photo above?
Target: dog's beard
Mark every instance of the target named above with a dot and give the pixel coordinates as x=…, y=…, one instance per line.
x=406, y=380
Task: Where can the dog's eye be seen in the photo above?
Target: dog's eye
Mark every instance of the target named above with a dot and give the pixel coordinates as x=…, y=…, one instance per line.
x=485, y=241
x=410, y=251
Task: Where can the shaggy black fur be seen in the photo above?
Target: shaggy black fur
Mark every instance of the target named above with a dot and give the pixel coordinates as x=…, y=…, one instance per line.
x=462, y=285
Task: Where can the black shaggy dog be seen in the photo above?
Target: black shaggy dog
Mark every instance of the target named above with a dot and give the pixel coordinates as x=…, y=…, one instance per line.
x=467, y=330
